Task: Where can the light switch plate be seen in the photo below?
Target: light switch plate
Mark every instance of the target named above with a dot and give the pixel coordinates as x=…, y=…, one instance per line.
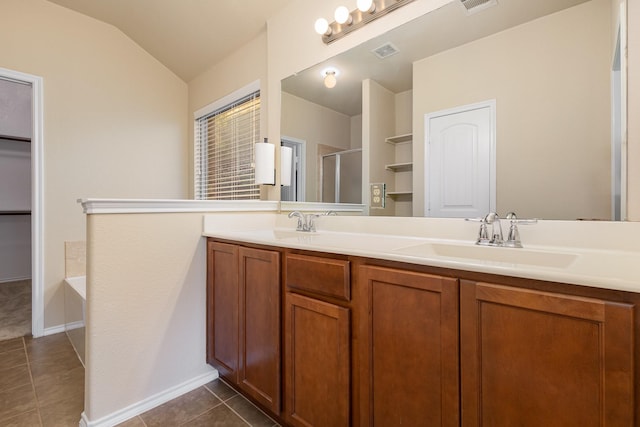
x=378, y=195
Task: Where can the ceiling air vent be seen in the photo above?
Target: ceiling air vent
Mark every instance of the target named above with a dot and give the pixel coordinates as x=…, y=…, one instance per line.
x=385, y=51
x=473, y=6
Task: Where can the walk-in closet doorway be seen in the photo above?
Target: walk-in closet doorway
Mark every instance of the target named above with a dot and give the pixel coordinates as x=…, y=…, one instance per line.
x=21, y=205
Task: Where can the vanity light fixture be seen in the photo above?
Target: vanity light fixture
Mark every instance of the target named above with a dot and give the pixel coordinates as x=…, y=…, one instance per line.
x=329, y=77
x=366, y=6
x=345, y=21
x=322, y=27
x=342, y=15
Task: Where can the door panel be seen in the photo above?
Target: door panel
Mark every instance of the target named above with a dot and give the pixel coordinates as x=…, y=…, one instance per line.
x=532, y=358
x=317, y=359
x=222, y=312
x=259, y=361
x=458, y=174
x=408, y=349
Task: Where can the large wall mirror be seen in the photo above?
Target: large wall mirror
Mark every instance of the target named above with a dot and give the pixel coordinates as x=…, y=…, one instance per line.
x=548, y=66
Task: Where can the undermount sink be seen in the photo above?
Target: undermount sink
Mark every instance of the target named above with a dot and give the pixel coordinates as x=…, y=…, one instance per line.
x=491, y=254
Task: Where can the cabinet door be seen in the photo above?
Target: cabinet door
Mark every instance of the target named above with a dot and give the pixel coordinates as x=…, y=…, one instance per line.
x=222, y=308
x=531, y=358
x=317, y=360
x=408, y=349
x=259, y=368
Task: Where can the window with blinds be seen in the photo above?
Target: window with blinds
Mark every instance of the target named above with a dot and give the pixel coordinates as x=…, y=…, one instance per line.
x=224, y=158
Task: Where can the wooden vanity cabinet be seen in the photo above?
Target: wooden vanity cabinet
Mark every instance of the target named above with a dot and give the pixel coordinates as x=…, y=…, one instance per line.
x=317, y=330
x=222, y=308
x=243, y=339
x=534, y=358
x=408, y=348
x=379, y=343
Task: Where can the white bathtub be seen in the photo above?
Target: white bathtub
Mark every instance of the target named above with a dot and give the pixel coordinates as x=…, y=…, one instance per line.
x=75, y=300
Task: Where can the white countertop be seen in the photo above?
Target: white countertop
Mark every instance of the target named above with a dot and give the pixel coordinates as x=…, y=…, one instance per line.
x=598, y=254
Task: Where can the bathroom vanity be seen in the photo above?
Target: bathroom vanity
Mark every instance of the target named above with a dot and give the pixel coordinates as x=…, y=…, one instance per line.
x=381, y=334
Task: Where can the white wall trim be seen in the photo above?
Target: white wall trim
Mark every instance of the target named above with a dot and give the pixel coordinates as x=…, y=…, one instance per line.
x=52, y=330
x=322, y=207
x=227, y=99
x=37, y=198
x=118, y=206
x=74, y=325
x=58, y=329
x=149, y=403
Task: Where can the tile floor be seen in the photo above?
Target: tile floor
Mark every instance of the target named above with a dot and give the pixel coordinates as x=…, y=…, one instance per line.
x=42, y=384
x=15, y=309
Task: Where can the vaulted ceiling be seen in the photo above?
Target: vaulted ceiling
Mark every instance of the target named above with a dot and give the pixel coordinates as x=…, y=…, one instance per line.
x=187, y=36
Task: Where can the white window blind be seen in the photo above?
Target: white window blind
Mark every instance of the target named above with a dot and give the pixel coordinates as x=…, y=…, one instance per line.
x=224, y=153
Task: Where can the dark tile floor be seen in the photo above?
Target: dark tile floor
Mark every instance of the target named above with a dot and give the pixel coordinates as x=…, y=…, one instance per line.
x=42, y=384
x=15, y=309
x=214, y=404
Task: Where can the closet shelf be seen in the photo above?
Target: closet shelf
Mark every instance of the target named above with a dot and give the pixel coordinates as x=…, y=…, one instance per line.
x=15, y=212
x=400, y=167
x=395, y=194
x=14, y=138
x=399, y=139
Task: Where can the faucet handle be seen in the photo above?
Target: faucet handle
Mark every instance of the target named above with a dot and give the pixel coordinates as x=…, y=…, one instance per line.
x=300, y=226
x=511, y=216
x=513, y=238
x=310, y=222
x=483, y=233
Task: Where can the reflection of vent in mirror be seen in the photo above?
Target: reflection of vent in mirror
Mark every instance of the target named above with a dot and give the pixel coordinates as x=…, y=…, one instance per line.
x=473, y=6
x=385, y=51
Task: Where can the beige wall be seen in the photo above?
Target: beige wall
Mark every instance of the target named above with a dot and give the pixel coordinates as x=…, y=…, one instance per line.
x=241, y=68
x=553, y=122
x=403, y=113
x=356, y=131
x=315, y=125
x=145, y=310
x=378, y=123
x=114, y=121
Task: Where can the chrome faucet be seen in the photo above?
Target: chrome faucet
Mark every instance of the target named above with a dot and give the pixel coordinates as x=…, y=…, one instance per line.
x=301, y=220
x=306, y=222
x=493, y=219
x=496, y=237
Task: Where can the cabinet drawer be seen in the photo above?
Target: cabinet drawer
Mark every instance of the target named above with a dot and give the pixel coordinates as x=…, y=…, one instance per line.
x=324, y=276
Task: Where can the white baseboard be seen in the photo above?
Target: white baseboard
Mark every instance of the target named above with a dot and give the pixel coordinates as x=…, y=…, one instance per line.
x=74, y=325
x=51, y=330
x=151, y=402
x=62, y=328
x=14, y=279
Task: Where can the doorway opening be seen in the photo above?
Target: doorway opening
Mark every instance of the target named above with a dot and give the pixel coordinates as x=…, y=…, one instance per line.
x=21, y=199
x=341, y=177
x=296, y=191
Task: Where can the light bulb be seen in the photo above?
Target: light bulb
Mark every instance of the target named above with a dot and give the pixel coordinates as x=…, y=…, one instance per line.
x=366, y=6
x=322, y=26
x=330, y=80
x=342, y=15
